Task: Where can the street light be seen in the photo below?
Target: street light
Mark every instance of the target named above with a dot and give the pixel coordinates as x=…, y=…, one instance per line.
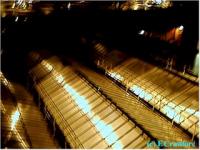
x=69, y=6
x=141, y=32
x=16, y=19
x=181, y=28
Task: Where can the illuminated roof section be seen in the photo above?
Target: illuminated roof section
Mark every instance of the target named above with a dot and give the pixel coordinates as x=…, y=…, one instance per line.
x=21, y=119
x=145, y=4
x=86, y=118
x=174, y=97
x=151, y=121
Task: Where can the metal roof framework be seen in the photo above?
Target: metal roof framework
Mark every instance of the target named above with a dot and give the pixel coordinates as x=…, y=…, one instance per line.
x=86, y=118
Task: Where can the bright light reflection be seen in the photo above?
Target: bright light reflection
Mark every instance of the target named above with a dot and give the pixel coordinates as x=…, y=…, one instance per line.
x=173, y=111
x=141, y=32
x=19, y=2
x=3, y=109
x=181, y=28
x=15, y=118
x=18, y=136
x=192, y=111
x=167, y=109
x=24, y=145
x=115, y=76
x=16, y=19
x=13, y=5
x=30, y=1
x=141, y=93
x=6, y=83
x=197, y=114
x=24, y=5
x=69, y=5
x=104, y=129
x=59, y=78
x=47, y=65
x=158, y=1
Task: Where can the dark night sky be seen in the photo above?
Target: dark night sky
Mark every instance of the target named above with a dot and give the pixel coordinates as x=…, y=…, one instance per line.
x=60, y=32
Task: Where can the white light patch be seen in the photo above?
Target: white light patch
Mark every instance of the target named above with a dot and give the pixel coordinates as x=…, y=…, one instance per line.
x=116, y=76
x=197, y=114
x=104, y=129
x=192, y=111
x=158, y=2
x=60, y=79
x=19, y=2
x=141, y=93
x=173, y=114
x=171, y=109
x=181, y=28
x=148, y=97
x=24, y=5
x=30, y=1
x=14, y=118
x=69, y=5
x=7, y=83
x=141, y=32
x=16, y=19
x=13, y=5
x=47, y=65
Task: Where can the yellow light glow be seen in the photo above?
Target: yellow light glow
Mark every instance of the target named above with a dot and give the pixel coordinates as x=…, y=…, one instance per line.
x=6, y=83
x=3, y=14
x=47, y=65
x=181, y=28
x=24, y=5
x=13, y=6
x=59, y=78
x=24, y=145
x=3, y=109
x=105, y=130
x=135, y=7
x=14, y=118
